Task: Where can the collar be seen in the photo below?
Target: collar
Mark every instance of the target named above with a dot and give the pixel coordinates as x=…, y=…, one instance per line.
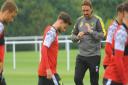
x=54, y=28
x=117, y=22
x=124, y=25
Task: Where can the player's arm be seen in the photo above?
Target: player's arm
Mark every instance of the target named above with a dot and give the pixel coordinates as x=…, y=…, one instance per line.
x=108, y=48
x=75, y=32
x=107, y=57
x=1, y=29
x=49, y=38
x=45, y=56
x=97, y=34
x=120, y=40
x=1, y=54
x=102, y=24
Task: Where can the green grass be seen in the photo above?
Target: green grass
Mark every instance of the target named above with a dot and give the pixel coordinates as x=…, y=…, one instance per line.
x=27, y=66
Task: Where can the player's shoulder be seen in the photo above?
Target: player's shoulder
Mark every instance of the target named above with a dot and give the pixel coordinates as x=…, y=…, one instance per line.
x=114, y=23
x=122, y=30
x=113, y=26
x=51, y=31
x=121, y=33
x=97, y=17
x=120, y=38
x=1, y=25
x=80, y=18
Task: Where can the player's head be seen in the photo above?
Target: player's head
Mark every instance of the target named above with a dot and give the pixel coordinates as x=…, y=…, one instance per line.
x=125, y=13
x=8, y=11
x=120, y=11
x=64, y=21
x=87, y=8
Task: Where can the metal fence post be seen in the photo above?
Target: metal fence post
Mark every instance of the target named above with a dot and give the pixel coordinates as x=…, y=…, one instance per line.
x=68, y=54
x=14, y=56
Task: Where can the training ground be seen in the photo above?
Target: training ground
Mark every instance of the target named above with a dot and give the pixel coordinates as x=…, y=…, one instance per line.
x=27, y=65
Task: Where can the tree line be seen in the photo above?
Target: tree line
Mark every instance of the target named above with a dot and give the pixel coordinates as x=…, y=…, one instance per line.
x=34, y=15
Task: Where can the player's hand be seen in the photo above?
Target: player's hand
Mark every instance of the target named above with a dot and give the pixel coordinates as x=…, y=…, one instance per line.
x=49, y=74
x=80, y=35
x=1, y=67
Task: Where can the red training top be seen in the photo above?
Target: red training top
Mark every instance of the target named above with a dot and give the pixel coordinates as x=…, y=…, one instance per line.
x=108, y=45
x=49, y=51
x=1, y=42
x=118, y=68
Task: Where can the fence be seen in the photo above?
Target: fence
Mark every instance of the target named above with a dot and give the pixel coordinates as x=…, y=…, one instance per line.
x=37, y=40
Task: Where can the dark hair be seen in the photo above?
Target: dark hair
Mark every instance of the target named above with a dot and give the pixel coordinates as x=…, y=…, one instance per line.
x=87, y=3
x=126, y=6
x=120, y=8
x=10, y=6
x=65, y=17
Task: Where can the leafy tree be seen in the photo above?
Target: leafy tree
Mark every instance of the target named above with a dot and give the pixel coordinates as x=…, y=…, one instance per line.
x=34, y=15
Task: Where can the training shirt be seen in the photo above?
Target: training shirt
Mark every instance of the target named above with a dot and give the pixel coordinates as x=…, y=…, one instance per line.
x=118, y=67
x=1, y=42
x=108, y=45
x=49, y=51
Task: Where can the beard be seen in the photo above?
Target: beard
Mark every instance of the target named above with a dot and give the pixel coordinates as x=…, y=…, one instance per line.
x=87, y=16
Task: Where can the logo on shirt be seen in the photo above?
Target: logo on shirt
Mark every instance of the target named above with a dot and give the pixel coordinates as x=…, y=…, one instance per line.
x=81, y=24
x=92, y=24
x=89, y=25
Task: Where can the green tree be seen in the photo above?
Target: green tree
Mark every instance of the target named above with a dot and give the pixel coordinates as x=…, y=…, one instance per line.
x=34, y=15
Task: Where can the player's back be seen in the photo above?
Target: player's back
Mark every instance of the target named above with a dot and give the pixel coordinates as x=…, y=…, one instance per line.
x=120, y=44
x=108, y=47
x=111, y=31
x=50, y=40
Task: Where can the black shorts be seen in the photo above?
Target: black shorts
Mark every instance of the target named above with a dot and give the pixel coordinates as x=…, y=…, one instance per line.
x=110, y=82
x=2, y=80
x=56, y=80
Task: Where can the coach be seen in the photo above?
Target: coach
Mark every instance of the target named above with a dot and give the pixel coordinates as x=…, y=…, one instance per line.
x=88, y=32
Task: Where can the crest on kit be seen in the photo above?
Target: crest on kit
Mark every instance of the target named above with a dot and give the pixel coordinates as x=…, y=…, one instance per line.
x=81, y=24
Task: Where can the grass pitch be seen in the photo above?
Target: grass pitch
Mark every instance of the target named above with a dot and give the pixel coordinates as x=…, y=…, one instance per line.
x=27, y=66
